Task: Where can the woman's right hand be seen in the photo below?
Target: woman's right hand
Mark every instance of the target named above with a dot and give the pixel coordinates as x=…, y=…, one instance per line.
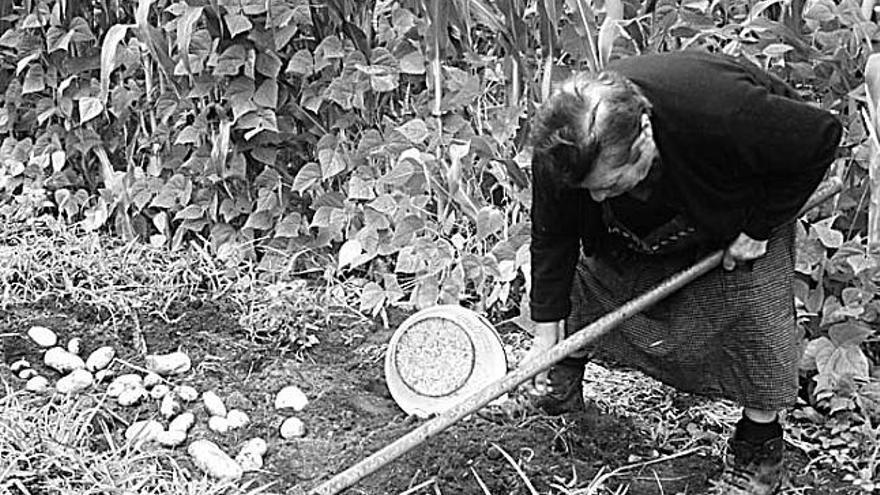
x=547, y=334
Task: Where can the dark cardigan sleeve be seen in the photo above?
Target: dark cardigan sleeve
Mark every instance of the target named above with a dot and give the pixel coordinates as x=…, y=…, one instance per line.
x=556, y=221
x=787, y=147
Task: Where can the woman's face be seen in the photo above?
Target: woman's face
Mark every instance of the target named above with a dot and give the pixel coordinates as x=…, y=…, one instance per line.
x=618, y=171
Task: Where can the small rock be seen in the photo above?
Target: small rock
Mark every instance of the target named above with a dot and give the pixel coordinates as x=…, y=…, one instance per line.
x=171, y=438
x=174, y=363
x=104, y=375
x=160, y=391
x=218, y=424
x=43, y=336
x=250, y=458
x=27, y=373
x=63, y=361
x=74, y=383
x=151, y=380
x=73, y=346
x=37, y=384
x=131, y=396
x=293, y=428
x=237, y=419
x=291, y=397
x=19, y=365
x=144, y=431
x=214, y=404
x=208, y=457
x=123, y=383
x=186, y=393
x=183, y=422
x=170, y=406
x=100, y=358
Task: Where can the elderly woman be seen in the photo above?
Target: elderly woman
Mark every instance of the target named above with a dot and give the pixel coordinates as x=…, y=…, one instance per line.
x=637, y=174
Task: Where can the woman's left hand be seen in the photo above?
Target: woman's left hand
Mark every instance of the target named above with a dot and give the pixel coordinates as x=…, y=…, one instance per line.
x=744, y=248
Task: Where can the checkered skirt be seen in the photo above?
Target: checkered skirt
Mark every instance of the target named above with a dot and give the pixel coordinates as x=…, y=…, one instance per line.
x=727, y=334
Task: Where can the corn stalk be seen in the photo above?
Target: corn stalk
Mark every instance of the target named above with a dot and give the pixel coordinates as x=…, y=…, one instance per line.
x=872, y=117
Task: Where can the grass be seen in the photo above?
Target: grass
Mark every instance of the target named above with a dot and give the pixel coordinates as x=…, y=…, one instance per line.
x=44, y=259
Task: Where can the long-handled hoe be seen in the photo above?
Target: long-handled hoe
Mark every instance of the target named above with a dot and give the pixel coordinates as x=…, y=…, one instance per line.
x=531, y=368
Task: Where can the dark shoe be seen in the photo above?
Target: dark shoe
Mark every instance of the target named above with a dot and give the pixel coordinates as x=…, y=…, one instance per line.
x=565, y=389
x=752, y=469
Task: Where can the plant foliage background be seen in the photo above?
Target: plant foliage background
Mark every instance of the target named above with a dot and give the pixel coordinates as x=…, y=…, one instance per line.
x=384, y=143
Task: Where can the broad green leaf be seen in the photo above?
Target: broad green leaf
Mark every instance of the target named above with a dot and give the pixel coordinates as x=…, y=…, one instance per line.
x=191, y=212
x=349, y=252
x=25, y=62
x=406, y=229
x=369, y=239
x=848, y=361
x=268, y=64
x=427, y=290
x=259, y=220
x=308, y=175
x=176, y=191
x=189, y=135
x=89, y=108
x=777, y=49
x=861, y=262
x=239, y=94
x=301, y=63
x=328, y=217
x=289, y=227
x=34, y=81
x=415, y=130
x=59, y=157
x=33, y=21
x=809, y=252
x=382, y=78
x=359, y=189
x=401, y=173
x=284, y=35
x=489, y=221
x=851, y=333
x=185, y=25
x=829, y=237
x=413, y=63
x=96, y=216
x=230, y=61
x=333, y=162
x=237, y=24
x=816, y=354
x=237, y=167
x=372, y=298
x=853, y=296
x=384, y=204
x=267, y=94
x=108, y=55
x=267, y=121
x=11, y=38
x=329, y=49
x=407, y=261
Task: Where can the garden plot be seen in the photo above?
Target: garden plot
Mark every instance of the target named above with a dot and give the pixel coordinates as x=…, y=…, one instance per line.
x=211, y=411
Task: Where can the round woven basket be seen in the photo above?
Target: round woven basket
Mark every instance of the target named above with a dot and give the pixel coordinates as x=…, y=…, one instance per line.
x=441, y=355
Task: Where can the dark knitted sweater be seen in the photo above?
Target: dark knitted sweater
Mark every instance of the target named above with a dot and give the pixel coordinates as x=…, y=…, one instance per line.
x=740, y=152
